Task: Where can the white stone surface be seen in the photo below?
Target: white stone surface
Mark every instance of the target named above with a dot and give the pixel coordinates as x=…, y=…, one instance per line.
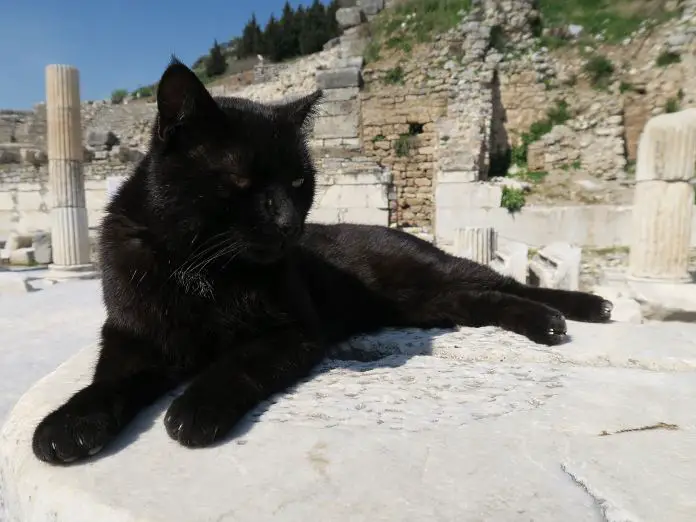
x=557, y=266
x=476, y=424
x=12, y=283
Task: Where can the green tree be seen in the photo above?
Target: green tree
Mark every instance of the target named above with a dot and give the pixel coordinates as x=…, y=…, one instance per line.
x=313, y=33
x=272, y=40
x=251, y=42
x=216, y=64
x=288, y=45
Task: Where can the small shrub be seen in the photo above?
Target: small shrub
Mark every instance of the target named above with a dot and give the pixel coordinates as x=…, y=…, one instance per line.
x=625, y=87
x=395, y=76
x=144, y=92
x=118, y=95
x=556, y=115
x=672, y=105
x=667, y=58
x=379, y=137
x=600, y=70
x=402, y=146
x=576, y=165
x=512, y=199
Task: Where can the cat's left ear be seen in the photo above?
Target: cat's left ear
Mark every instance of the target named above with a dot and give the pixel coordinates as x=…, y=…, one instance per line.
x=181, y=96
x=300, y=112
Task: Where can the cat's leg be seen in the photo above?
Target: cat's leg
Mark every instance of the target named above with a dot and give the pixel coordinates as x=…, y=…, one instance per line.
x=219, y=397
x=534, y=320
x=128, y=376
x=578, y=306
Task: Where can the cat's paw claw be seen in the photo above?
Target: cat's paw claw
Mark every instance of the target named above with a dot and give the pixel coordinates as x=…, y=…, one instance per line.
x=194, y=423
x=62, y=438
x=551, y=331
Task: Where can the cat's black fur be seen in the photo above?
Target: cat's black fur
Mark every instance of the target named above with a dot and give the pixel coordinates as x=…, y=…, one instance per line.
x=210, y=274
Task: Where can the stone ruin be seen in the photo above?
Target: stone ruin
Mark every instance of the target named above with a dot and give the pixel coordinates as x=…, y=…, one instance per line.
x=418, y=156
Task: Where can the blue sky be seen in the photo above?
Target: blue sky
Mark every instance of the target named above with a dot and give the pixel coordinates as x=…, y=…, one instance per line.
x=115, y=44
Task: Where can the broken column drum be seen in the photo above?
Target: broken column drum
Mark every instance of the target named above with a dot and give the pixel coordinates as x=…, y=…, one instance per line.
x=476, y=243
x=69, y=229
x=664, y=199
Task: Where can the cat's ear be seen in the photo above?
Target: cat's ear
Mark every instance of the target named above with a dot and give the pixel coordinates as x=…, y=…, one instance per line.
x=300, y=112
x=180, y=95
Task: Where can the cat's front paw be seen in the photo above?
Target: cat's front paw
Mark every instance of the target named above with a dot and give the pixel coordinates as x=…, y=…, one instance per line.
x=196, y=421
x=547, y=326
x=588, y=308
x=66, y=436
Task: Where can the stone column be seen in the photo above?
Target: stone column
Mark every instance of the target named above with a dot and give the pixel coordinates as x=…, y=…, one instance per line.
x=664, y=199
x=476, y=243
x=69, y=230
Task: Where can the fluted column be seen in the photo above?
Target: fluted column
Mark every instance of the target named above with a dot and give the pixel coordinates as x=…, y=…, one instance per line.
x=69, y=229
x=476, y=243
x=664, y=199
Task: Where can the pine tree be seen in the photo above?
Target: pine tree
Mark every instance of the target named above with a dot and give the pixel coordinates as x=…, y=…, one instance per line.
x=287, y=42
x=272, y=40
x=251, y=42
x=216, y=64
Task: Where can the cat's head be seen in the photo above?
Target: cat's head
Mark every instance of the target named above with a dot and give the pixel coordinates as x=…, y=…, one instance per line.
x=231, y=170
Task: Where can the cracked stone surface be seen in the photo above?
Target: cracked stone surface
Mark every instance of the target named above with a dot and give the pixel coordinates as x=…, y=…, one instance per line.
x=465, y=425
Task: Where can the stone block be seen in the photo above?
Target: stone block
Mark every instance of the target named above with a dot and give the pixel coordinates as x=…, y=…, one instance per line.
x=354, y=196
x=41, y=243
x=557, y=266
x=371, y=7
x=468, y=195
x=323, y=215
x=340, y=94
x=340, y=108
x=456, y=176
x=512, y=259
x=22, y=257
x=113, y=183
x=338, y=78
x=348, y=17
x=101, y=139
x=327, y=127
x=365, y=216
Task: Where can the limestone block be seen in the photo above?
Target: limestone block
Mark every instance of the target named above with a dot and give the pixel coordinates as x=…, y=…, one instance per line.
x=101, y=139
x=340, y=94
x=338, y=78
x=456, y=176
x=667, y=147
x=512, y=259
x=468, y=195
x=348, y=17
x=22, y=257
x=365, y=216
x=476, y=243
x=113, y=183
x=41, y=243
x=557, y=266
x=360, y=196
x=6, y=201
x=346, y=126
x=340, y=108
x=320, y=214
x=371, y=7
x=661, y=231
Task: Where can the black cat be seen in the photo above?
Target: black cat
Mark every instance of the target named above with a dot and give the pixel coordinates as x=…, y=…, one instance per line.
x=210, y=274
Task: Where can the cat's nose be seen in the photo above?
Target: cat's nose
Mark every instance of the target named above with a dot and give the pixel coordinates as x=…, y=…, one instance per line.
x=288, y=226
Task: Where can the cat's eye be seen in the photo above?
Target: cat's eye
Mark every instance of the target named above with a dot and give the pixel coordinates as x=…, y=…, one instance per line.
x=297, y=183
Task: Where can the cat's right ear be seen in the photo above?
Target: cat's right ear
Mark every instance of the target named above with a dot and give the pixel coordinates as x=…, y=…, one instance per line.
x=180, y=96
